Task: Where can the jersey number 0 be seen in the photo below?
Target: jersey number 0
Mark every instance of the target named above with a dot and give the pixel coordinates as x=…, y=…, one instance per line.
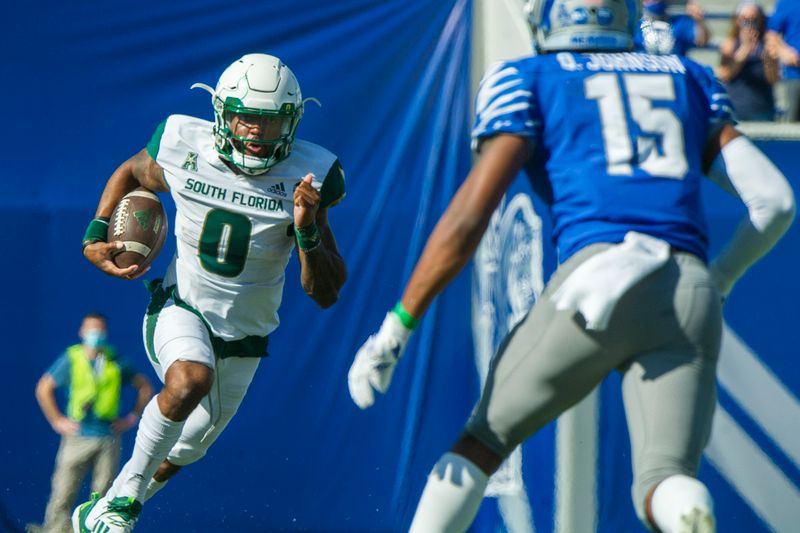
x=656, y=125
x=224, y=242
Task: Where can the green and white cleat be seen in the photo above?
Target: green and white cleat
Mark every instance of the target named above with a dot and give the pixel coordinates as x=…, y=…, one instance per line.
x=80, y=513
x=101, y=516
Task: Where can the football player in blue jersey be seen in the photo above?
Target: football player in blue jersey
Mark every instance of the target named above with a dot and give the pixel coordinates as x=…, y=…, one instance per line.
x=617, y=143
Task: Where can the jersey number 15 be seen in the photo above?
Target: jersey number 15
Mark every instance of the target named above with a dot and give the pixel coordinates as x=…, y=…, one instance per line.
x=655, y=123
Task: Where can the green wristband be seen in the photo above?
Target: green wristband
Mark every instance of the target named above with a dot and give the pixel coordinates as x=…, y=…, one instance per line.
x=96, y=231
x=308, y=237
x=406, y=318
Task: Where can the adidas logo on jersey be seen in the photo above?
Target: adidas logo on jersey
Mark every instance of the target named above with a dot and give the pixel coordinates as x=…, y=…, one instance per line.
x=278, y=189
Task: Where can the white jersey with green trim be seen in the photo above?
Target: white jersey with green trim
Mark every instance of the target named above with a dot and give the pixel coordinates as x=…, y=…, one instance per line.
x=232, y=230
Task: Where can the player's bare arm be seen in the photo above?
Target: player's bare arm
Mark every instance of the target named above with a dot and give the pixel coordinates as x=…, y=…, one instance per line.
x=139, y=170
x=322, y=270
x=459, y=231
x=449, y=248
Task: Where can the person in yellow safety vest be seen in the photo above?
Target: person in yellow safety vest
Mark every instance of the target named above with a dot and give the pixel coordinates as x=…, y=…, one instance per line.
x=91, y=425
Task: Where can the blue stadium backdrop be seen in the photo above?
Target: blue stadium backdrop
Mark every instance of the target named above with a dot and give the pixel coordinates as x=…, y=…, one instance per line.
x=85, y=84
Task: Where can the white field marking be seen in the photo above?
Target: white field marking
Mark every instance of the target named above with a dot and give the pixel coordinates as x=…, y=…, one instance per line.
x=770, y=494
x=760, y=393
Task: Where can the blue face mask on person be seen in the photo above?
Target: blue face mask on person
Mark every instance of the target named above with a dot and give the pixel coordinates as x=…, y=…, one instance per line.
x=94, y=338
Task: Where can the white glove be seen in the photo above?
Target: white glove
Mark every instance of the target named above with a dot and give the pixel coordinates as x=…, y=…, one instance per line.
x=374, y=363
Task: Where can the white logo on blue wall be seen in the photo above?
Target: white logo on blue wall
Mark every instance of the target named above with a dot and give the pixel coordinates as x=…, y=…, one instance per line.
x=507, y=279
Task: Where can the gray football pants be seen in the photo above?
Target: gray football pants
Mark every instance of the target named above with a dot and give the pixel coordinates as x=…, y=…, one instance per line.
x=664, y=336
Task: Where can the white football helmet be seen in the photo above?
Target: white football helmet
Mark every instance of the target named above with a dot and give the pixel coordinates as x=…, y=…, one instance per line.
x=261, y=92
x=596, y=25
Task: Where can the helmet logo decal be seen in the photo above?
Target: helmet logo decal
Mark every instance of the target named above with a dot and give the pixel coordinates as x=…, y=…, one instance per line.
x=605, y=16
x=580, y=15
x=563, y=15
x=190, y=163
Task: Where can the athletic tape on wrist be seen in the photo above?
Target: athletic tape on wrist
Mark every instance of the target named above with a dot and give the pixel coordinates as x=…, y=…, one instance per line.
x=308, y=237
x=406, y=318
x=96, y=231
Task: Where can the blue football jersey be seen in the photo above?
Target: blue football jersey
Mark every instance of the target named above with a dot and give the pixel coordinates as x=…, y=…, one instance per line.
x=618, y=138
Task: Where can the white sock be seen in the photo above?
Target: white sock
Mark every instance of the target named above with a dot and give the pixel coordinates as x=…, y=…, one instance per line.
x=451, y=497
x=112, y=492
x=676, y=497
x=155, y=438
x=153, y=486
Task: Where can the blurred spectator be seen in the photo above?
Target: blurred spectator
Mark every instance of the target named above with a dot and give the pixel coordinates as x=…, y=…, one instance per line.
x=90, y=426
x=688, y=31
x=783, y=42
x=749, y=72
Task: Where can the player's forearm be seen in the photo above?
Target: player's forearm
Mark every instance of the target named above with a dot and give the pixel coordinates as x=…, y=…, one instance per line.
x=459, y=231
x=448, y=250
x=322, y=271
x=121, y=182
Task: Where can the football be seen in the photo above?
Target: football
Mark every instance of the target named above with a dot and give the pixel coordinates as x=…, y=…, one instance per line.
x=140, y=222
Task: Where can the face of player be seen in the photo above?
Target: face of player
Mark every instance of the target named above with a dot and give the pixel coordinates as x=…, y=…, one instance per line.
x=258, y=129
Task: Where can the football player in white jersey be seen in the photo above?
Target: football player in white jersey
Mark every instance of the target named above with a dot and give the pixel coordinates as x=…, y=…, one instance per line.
x=246, y=193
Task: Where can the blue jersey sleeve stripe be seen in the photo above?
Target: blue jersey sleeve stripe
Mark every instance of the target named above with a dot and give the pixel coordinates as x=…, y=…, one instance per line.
x=520, y=96
x=491, y=71
x=499, y=70
x=504, y=104
x=487, y=94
